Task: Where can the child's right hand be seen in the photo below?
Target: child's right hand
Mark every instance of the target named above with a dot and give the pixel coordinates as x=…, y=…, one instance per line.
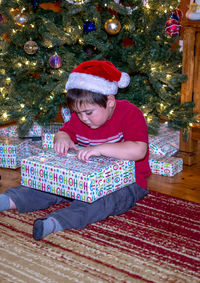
x=62, y=143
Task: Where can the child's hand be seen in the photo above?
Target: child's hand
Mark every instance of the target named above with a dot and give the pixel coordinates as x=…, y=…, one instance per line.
x=62, y=143
x=85, y=153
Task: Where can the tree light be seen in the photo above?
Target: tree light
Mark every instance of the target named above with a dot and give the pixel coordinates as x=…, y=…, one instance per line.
x=5, y=115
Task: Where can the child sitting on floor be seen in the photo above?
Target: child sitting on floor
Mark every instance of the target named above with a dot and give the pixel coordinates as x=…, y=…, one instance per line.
x=103, y=126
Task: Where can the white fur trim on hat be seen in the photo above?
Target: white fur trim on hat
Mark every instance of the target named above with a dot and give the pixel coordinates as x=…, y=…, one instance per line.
x=124, y=80
x=93, y=83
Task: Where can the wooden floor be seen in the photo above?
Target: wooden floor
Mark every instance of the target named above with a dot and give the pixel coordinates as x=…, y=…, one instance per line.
x=185, y=185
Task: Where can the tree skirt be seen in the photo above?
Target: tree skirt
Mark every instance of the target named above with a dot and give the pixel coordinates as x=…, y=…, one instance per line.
x=157, y=241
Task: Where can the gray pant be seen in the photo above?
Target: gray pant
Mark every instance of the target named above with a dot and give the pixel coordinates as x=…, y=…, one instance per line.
x=78, y=214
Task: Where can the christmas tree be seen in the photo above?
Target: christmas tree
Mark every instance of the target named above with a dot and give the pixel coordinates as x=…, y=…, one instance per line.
x=42, y=41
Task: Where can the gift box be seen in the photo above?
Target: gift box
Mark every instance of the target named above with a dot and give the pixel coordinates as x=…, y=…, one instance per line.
x=67, y=176
x=34, y=148
x=165, y=165
x=35, y=131
x=47, y=141
x=66, y=114
x=52, y=128
x=12, y=151
x=9, y=131
x=166, y=143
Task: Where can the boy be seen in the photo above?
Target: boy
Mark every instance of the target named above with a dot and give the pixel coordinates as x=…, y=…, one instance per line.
x=103, y=126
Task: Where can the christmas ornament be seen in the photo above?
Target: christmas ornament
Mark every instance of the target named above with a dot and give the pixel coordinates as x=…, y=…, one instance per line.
x=55, y=7
x=35, y=4
x=21, y=19
x=173, y=27
x=193, y=13
x=128, y=42
x=177, y=15
x=30, y=47
x=55, y=61
x=112, y=26
x=89, y=26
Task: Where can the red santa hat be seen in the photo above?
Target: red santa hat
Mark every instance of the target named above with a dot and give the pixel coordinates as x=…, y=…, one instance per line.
x=97, y=76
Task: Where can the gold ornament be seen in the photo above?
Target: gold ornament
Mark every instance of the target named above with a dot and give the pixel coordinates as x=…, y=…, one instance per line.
x=112, y=26
x=30, y=47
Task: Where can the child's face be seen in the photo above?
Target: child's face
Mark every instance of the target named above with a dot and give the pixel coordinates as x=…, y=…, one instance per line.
x=93, y=115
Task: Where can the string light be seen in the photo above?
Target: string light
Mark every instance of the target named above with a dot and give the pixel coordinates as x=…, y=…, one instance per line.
x=5, y=115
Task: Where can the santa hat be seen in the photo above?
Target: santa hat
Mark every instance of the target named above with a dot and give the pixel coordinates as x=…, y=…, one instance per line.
x=97, y=76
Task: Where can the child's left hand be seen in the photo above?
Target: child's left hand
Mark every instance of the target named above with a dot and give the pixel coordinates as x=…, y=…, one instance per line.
x=85, y=153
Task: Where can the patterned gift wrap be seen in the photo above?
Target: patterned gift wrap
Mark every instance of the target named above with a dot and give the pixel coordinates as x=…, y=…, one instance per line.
x=52, y=128
x=66, y=114
x=166, y=143
x=9, y=131
x=35, y=131
x=34, y=148
x=67, y=176
x=12, y=151
x=165, y=166
x=47, y=141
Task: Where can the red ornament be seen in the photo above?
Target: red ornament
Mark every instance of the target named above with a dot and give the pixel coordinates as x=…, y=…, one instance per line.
x=128, y=42
x=55, y=61
x=173, y=27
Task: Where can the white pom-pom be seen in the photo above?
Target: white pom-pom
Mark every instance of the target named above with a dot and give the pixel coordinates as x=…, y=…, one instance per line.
x=124, y=80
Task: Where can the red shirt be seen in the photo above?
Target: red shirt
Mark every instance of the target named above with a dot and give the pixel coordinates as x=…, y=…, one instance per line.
x=126, y=124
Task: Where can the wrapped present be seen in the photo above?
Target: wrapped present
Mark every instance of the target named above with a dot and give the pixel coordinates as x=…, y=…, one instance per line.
x=52, y=128
x=12, y=151
x=66, y=114
x=166, y=143
x=67, y=176
x=9, y=131
x=47, y=141
x=34, y=148
x=165, y=165
x=35, y=131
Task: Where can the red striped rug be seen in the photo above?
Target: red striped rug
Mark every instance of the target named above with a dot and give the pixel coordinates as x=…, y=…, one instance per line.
x=157, y=241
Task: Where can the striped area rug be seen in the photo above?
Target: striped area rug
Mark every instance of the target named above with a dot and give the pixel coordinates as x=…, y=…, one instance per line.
x=157, y=241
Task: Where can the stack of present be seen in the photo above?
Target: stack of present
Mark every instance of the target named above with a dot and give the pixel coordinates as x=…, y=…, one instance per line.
x=163, y=147
x=166, y=143
x=70, y=177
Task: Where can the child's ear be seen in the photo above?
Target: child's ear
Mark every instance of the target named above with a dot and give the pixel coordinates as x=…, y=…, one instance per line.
x=111, y=100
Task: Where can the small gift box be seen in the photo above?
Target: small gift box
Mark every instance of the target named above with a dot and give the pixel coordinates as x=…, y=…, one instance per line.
x=67, y=176
x=9, y=131
x=12, y=150
x=47, y=141
x=165, y=165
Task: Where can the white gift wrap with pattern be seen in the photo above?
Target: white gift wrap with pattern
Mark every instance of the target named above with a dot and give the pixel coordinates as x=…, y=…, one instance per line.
x=66, y=114
x=166, y=143
x=47, y=141
x=12, y=150
x=67, y=176
x=165, y=165
x=35, y=131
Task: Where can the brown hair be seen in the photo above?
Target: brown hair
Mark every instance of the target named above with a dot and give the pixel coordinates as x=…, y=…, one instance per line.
x=77, y=97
